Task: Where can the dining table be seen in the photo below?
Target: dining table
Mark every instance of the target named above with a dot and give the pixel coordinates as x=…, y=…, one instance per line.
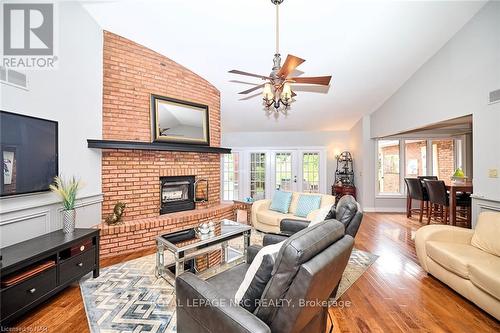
x=454, y=187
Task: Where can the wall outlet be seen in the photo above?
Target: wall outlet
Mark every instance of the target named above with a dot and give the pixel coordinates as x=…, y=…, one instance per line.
x=493, y=173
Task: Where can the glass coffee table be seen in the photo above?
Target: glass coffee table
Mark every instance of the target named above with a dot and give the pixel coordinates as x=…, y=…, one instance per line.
x=186, y=245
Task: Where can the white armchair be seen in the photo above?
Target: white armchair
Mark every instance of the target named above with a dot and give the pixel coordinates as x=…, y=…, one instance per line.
x=466, y=260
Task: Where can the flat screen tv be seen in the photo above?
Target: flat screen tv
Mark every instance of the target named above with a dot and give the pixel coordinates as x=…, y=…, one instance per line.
x=29, y=151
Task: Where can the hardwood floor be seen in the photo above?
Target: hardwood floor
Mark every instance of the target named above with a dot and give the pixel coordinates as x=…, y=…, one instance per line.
x=394, y=295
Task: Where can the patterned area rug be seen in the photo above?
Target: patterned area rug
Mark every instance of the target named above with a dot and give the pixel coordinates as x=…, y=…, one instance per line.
x=128, y=298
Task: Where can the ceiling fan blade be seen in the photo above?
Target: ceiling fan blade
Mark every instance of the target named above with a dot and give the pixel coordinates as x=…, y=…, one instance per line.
x=235, y=71
x=247, y=97
x=290, y=64
x=252, y=89
x=321, y=80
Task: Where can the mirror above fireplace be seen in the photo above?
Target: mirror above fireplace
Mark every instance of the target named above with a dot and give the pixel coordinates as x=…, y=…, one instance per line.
x=179, y=121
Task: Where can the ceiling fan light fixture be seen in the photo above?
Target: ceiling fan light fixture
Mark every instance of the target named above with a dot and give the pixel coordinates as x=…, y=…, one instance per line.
x=277, y=93
x=286, y=93
x=267, y=94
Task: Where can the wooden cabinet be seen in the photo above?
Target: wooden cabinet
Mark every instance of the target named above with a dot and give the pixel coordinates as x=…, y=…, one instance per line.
x=36, y=269
x=79, y=265
x=27, y=292
x=340, y=191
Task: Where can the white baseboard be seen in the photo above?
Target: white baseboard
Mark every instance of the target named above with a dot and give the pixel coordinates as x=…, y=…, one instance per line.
x=384, y=210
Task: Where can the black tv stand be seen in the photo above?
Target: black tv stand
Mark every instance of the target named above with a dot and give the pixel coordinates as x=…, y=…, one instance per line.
x=34, y=270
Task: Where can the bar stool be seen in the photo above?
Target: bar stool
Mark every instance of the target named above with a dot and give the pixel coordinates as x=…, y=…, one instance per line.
x=416, y=192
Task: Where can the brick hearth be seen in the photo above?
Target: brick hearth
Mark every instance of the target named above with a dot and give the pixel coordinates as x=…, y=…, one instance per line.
x=140, y=233
x=131, y=74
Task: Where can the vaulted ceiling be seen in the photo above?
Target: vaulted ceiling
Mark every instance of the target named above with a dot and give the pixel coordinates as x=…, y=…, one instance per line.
x=369, y=47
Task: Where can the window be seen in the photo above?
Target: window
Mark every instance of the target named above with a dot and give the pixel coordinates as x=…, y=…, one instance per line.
x=283, y=167
x=415, y=158
x=310, y=172
x=230, y=176
x=388, y=166
x=422, y=157
x=443, y=158
x=258, y=175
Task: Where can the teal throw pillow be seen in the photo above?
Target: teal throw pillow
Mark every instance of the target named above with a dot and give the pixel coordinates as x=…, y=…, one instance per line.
x=281, y=201
x=306, y=204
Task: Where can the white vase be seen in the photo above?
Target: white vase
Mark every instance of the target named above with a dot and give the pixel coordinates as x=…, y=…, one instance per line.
x=69, y=221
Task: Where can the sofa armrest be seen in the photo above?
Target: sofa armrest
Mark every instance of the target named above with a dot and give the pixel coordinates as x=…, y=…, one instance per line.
x=353, y=226
x=273, y=239
x=441, y=233
x=312, y=214
x=257, y=206
x=291, y=226
x=252, y=251
x=261, y=204
x=200, y=308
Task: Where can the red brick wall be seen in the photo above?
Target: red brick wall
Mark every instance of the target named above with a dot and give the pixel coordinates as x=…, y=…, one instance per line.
x=445, y=160
x=413, y=152
x=133, y=177
x=131, y=74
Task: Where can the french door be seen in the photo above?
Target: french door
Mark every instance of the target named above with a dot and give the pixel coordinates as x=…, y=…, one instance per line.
x=297, y=170
x=283, y=166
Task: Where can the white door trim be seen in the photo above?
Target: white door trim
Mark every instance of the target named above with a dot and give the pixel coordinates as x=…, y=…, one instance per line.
x=297, y=155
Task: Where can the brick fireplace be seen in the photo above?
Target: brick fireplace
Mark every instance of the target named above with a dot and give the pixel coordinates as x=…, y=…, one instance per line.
x=137, y=177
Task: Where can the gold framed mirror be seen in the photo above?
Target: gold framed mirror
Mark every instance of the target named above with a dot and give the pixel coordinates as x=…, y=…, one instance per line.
x=178, y=121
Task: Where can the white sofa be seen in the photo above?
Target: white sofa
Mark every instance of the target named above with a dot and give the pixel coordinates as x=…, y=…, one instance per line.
x=267, y=220
x=466, y=260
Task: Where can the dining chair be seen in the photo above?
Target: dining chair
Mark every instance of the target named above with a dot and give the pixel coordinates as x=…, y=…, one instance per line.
x=422, y=178
x=416, y=192
x=439, y=200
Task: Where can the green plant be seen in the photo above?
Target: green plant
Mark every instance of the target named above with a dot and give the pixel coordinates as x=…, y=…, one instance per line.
x=67, y=190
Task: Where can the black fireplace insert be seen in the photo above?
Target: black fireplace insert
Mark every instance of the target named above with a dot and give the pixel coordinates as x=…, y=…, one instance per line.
x=177, y=194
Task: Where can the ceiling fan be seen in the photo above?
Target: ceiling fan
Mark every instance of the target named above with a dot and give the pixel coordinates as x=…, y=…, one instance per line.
x=277, y=91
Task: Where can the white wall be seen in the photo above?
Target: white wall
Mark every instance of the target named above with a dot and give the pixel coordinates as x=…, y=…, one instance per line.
x=334, y=141
x=71, y=95
x=486, y=156
x=453, y=83
x=487, y=148
x=362, y=148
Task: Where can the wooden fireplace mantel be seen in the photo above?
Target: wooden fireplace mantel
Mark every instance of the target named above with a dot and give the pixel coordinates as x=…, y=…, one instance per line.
x=137, y=145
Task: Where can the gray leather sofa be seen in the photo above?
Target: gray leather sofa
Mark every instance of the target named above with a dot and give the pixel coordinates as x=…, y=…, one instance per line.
x=347, y=211
x=307, y=269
